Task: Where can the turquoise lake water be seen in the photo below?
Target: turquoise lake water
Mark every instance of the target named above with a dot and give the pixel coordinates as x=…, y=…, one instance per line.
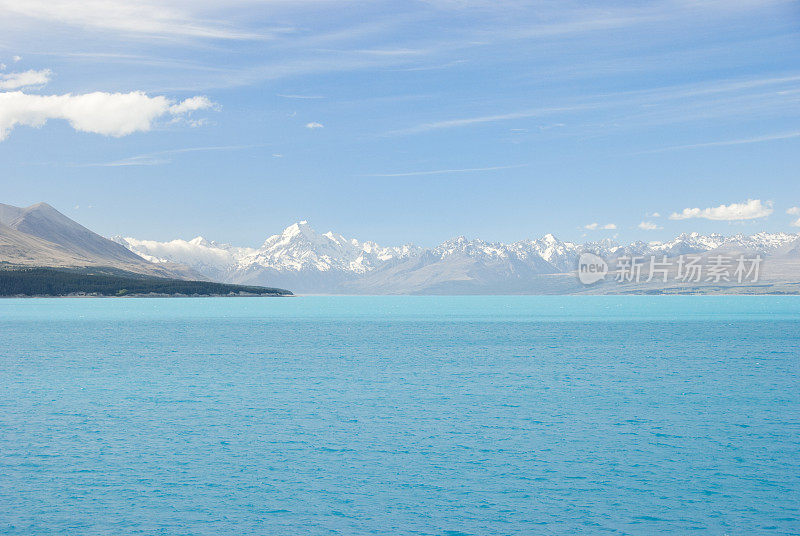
x=400, y=415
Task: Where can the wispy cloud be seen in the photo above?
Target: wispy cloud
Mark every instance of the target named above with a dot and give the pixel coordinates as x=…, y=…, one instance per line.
x=144, y=18
x=390, y=51
x=581, y=22
x=311, y=62
x=656, y=105
x=160, y=157
x=133, y=161
x=301, y=97
x=314, y=125
x=434, y=67
x=469, y=121
x=752, y=209
x=443, y=171
x=724, y=143
x=172, y=64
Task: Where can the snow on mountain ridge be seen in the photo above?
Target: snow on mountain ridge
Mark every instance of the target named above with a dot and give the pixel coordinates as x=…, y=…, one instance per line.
x=300, y=249
x=472, y=248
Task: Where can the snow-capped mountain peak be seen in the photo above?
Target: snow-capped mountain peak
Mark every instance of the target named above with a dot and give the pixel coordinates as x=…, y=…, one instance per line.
x=300, y=248
x=200, y=241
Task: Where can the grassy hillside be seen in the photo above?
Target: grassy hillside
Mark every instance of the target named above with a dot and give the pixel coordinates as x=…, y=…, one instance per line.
x=112, y=282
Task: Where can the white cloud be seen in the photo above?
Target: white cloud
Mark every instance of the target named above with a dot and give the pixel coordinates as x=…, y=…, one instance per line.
x=191, y=105
x=16, y=58
x=27, y=78
x=752, y=209
x=595, y=226
x=312, y=125
x=2, y=66
x=655, y=215
x=794, y=211
x=110, y=114
x=649, y=226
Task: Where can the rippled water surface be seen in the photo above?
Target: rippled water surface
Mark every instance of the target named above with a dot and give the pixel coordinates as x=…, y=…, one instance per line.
x=400, y=415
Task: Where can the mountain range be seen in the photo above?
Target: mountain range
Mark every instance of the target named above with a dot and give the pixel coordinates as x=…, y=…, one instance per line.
x=309, y=262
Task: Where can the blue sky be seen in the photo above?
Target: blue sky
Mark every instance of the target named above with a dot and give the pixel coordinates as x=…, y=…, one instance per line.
x=408, y=121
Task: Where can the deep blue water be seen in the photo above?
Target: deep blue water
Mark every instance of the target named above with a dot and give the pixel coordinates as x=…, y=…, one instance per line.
x=400, y=415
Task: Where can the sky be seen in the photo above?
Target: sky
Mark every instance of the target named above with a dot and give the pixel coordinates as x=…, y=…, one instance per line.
x=409, y=121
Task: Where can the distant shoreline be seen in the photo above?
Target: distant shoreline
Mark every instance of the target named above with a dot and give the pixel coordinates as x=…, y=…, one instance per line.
x=41, y=282
x=134, y=296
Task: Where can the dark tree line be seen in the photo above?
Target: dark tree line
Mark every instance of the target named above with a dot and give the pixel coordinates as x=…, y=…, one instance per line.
x=53, y=282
